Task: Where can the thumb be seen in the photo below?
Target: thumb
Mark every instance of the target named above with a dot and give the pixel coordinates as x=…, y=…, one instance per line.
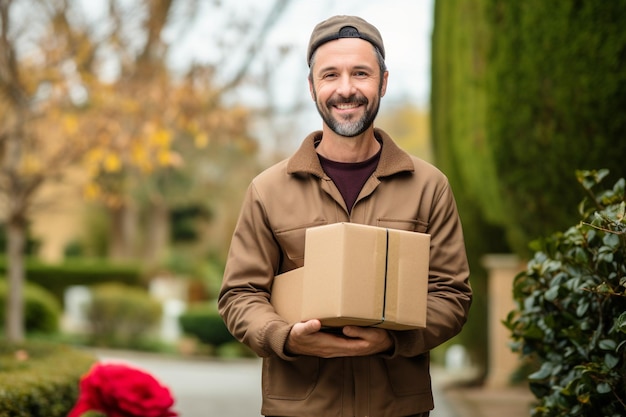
x=312, y=326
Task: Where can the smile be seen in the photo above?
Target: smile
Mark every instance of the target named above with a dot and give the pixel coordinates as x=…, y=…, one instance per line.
x=347, y=106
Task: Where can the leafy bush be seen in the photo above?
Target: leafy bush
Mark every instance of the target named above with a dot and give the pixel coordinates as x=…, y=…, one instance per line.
x=121, y=316
x=204, y=322
x=572, y=310
x=42, y=311
x=57, y=277
x=40, y=379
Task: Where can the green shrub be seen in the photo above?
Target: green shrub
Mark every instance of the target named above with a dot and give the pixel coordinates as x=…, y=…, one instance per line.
x=571, y=317
x=234, y=350
x=121, y=316
x=40, y=379
x=204, y=322
x=57, y=277
x=42, y=311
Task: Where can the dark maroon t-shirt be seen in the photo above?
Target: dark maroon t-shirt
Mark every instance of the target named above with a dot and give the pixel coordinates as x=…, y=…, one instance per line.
x=349, y=177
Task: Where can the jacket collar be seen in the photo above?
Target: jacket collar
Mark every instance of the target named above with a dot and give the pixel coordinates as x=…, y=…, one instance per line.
x=392, y=159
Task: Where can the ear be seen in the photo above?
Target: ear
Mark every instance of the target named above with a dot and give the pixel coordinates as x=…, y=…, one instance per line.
x=311, y=88
x=383, y=86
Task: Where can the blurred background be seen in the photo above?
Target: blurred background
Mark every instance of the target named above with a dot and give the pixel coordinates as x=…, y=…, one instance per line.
x=130, y=129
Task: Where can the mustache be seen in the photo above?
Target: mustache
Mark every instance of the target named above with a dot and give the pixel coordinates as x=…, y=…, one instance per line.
x=349, y=100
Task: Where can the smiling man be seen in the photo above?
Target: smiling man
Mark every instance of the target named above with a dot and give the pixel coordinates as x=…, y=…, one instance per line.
x=349, y=171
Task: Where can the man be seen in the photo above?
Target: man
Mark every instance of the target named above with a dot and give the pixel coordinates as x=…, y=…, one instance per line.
x=348, y=172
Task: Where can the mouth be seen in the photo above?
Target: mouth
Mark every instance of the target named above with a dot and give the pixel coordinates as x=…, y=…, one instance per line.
x=347, y=106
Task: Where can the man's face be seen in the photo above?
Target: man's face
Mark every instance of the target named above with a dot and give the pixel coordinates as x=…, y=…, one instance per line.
x=346, y=85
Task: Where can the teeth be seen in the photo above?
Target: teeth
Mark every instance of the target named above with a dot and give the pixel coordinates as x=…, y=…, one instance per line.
x=346, y=106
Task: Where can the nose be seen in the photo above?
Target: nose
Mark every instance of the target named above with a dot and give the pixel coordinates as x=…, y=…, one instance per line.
x=345, y=87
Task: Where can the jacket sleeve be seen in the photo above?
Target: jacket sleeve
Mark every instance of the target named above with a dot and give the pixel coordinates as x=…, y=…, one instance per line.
x=244, y=299
x=449, y=292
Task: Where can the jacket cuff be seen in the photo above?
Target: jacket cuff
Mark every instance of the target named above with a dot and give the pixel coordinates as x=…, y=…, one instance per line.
x=276, y=334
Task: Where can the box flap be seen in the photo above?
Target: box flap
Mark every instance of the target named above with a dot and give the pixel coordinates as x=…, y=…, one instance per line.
x=287, y=295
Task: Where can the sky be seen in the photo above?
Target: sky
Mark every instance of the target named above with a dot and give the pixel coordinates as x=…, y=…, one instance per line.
x=405, y=25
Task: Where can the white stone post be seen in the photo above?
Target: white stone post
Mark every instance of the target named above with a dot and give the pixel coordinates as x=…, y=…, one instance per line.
x=76, y=300
x=172, y=293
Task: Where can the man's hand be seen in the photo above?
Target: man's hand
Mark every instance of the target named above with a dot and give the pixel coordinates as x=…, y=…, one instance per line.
x=307, y=339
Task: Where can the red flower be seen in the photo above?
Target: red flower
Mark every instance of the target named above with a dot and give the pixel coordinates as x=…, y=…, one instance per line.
x=119, y=390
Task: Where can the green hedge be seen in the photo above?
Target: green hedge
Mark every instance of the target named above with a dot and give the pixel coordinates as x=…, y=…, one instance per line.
x=57, y=277
x=556, y=88
x=40, y=379
x=42, y=311
x=525, y=93
x=461, y=149
x=121, y=316
x=204, y=322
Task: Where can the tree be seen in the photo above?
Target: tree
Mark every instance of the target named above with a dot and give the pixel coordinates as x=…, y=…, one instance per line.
x=166, y=111
x=523, y=95
x=461, y=147
x=556, y=82
x=38, y=139
x=60, y=110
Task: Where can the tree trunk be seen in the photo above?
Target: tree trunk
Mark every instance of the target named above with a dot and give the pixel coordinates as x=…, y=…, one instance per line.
x=16, y=241
x=123, y=232
x=157, y=232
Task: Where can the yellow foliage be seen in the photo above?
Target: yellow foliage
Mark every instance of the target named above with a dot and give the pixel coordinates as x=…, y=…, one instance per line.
x=70, y=124
x=92, y=191
x=130, y=106
x=93, y=157
x=112, y=163
x=163, y=158
x=201, y=140
x=30, y=165
x=138, y=154
x=410, y=128
x=146, y=168
x=161, y=138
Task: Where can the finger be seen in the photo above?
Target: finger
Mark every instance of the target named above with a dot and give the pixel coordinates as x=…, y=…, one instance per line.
x=353, y=331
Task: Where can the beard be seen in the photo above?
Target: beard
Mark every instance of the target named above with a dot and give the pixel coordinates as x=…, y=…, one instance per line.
x=348, y=126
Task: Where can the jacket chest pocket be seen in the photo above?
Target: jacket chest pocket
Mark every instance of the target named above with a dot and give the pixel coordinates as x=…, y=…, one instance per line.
x=292, y=240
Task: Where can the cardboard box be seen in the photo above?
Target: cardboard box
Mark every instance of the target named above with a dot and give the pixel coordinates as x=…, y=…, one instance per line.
x=358, y=275
x=287, y=295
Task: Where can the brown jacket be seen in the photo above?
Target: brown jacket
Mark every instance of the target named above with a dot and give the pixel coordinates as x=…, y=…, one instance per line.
x=281, y=203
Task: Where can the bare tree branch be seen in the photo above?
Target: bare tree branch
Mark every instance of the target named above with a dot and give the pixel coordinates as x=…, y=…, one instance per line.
x=275, y=12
